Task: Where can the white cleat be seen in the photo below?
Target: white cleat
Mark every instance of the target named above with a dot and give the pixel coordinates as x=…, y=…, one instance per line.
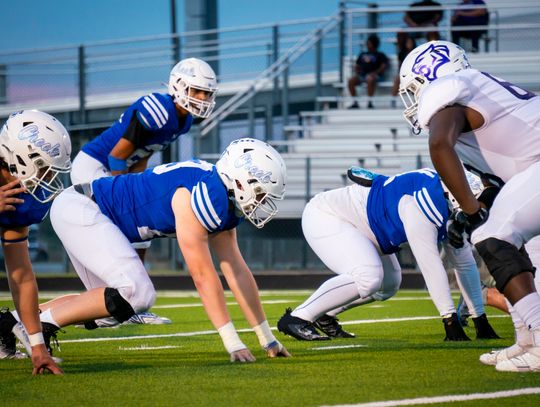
x=20, y=333
x=148, y=318
x=495, y=356
x=526, y=362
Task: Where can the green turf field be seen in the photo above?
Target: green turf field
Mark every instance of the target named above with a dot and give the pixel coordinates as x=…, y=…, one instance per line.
x=396, y=356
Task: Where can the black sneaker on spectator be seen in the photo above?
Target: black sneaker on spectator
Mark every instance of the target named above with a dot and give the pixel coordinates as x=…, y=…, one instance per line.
x=355, y=105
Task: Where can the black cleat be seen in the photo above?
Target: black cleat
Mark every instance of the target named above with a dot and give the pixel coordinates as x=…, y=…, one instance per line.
x=298, y=328
x=7, y=339
x=483, y=328
x=49, y=332
x=331, y=327
x=454, y=330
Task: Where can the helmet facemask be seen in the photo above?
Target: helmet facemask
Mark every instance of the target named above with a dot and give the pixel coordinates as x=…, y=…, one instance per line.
x=197, y=107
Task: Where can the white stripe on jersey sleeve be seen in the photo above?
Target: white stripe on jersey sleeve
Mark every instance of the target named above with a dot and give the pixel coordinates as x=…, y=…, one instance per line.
x=141, y=116
x=208, y=201
x=152, y=113
x=156, y=110
x=198, y=201
x=428, y=207
x=160, y=106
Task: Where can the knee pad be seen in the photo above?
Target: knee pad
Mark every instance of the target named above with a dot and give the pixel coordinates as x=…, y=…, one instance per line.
x=117, y=306
x=367, y=283
x=503, y=260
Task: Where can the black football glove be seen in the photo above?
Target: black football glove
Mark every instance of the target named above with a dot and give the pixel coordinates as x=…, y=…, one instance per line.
x=461, y=225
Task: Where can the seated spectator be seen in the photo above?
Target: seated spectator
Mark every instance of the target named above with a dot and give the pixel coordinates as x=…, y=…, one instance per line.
x=423, y=18
x=470, y=17
x=404, y=44
x=369, y=68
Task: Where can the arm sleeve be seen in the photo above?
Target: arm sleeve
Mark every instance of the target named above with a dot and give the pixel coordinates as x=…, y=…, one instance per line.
x=422, y=238
x=467, y=276
x=136, y=132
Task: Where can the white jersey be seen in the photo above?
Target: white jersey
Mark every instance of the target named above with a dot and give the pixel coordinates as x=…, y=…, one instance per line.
x=509, y=140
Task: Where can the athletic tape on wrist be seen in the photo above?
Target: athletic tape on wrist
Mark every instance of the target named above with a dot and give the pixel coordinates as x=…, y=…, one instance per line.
x=36, y=339
x=265, y=335
x=230, y=338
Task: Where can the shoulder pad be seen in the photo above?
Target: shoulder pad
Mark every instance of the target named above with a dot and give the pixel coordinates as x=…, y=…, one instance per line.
x=152, y=111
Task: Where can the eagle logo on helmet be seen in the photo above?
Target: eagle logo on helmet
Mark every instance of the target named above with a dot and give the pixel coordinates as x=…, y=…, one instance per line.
x=430, y=60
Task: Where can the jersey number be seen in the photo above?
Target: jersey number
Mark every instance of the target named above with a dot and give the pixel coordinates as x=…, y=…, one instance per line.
x=513, y=89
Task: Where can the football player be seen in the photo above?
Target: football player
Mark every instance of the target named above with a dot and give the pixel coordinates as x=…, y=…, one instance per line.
x=493, y=126
x=356, y=230
x=148, y=125
x=35, y=150
x=198, y=203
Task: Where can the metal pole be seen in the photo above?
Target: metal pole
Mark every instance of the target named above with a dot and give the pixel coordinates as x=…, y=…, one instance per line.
x=341, y=39
x=82, y=85
x=318, y=67
x=269, y=122
x=275, y=57
x=175, y=39
x=308, y=178
x=251, y=117
x=285, y=94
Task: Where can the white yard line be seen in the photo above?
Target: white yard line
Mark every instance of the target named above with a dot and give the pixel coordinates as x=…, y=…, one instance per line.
x=447, y=399
x=338, y=347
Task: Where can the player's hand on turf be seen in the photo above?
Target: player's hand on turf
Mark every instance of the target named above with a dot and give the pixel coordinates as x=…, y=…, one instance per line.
x=43, y=362
x=7, y=193
x=242, y=355
x=277, y=350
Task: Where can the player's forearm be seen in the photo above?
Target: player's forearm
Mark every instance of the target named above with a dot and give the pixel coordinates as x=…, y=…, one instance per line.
x=246, y=293
x=25, y=296
x=212, y=296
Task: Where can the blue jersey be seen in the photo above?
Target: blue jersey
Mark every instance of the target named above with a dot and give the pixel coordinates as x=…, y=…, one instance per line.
x=140, y=204
x=383, y=201
x=157, y=113
x=30, y=212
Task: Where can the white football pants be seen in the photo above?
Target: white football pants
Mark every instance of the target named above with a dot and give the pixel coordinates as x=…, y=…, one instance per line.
x=363, y=274
x=101, y=255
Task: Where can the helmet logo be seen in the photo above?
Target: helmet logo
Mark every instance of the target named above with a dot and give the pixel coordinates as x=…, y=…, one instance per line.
x=31, y=134
x=430, y=60
x=245, y=161
x=187, y=70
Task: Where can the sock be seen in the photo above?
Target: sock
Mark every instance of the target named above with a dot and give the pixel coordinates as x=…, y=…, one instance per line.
x=46, y=316
x=333, y=293
x=528, y=308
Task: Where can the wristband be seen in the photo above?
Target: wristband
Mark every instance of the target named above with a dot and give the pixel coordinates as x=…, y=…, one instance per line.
x=265, y=335
x=230, y=338
x=116, y=164
x=36, y=339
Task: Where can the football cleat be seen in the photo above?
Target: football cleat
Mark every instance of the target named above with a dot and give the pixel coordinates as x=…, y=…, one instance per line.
x=331, y=327
x=495, y=356
x=20, y=333
x=484, y=330
x=528, y=361
x=454, y=330
x=148, y=318
x=7, y=338
x=298, y=328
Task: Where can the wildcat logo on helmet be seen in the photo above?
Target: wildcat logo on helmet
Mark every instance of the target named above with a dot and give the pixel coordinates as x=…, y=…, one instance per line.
x=31, y=133
x=429, y=61
x=245, y=161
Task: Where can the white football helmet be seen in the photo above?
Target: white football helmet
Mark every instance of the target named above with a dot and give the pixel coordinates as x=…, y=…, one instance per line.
x=36, y=148
x=423, y=65
x=254, y=174
x=187, y=77
x=475, y=183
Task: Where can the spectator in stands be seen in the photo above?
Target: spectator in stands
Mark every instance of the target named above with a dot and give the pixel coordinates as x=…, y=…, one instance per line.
x=423, y=18
x=404, y=44
x=369, y=68
x=463, y=17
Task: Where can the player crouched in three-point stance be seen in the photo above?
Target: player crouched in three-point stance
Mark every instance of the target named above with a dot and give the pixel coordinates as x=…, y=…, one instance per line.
x=356, y=230
x=493, y=126
x=150, y=124
x=199, y=203
x=35, y=149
